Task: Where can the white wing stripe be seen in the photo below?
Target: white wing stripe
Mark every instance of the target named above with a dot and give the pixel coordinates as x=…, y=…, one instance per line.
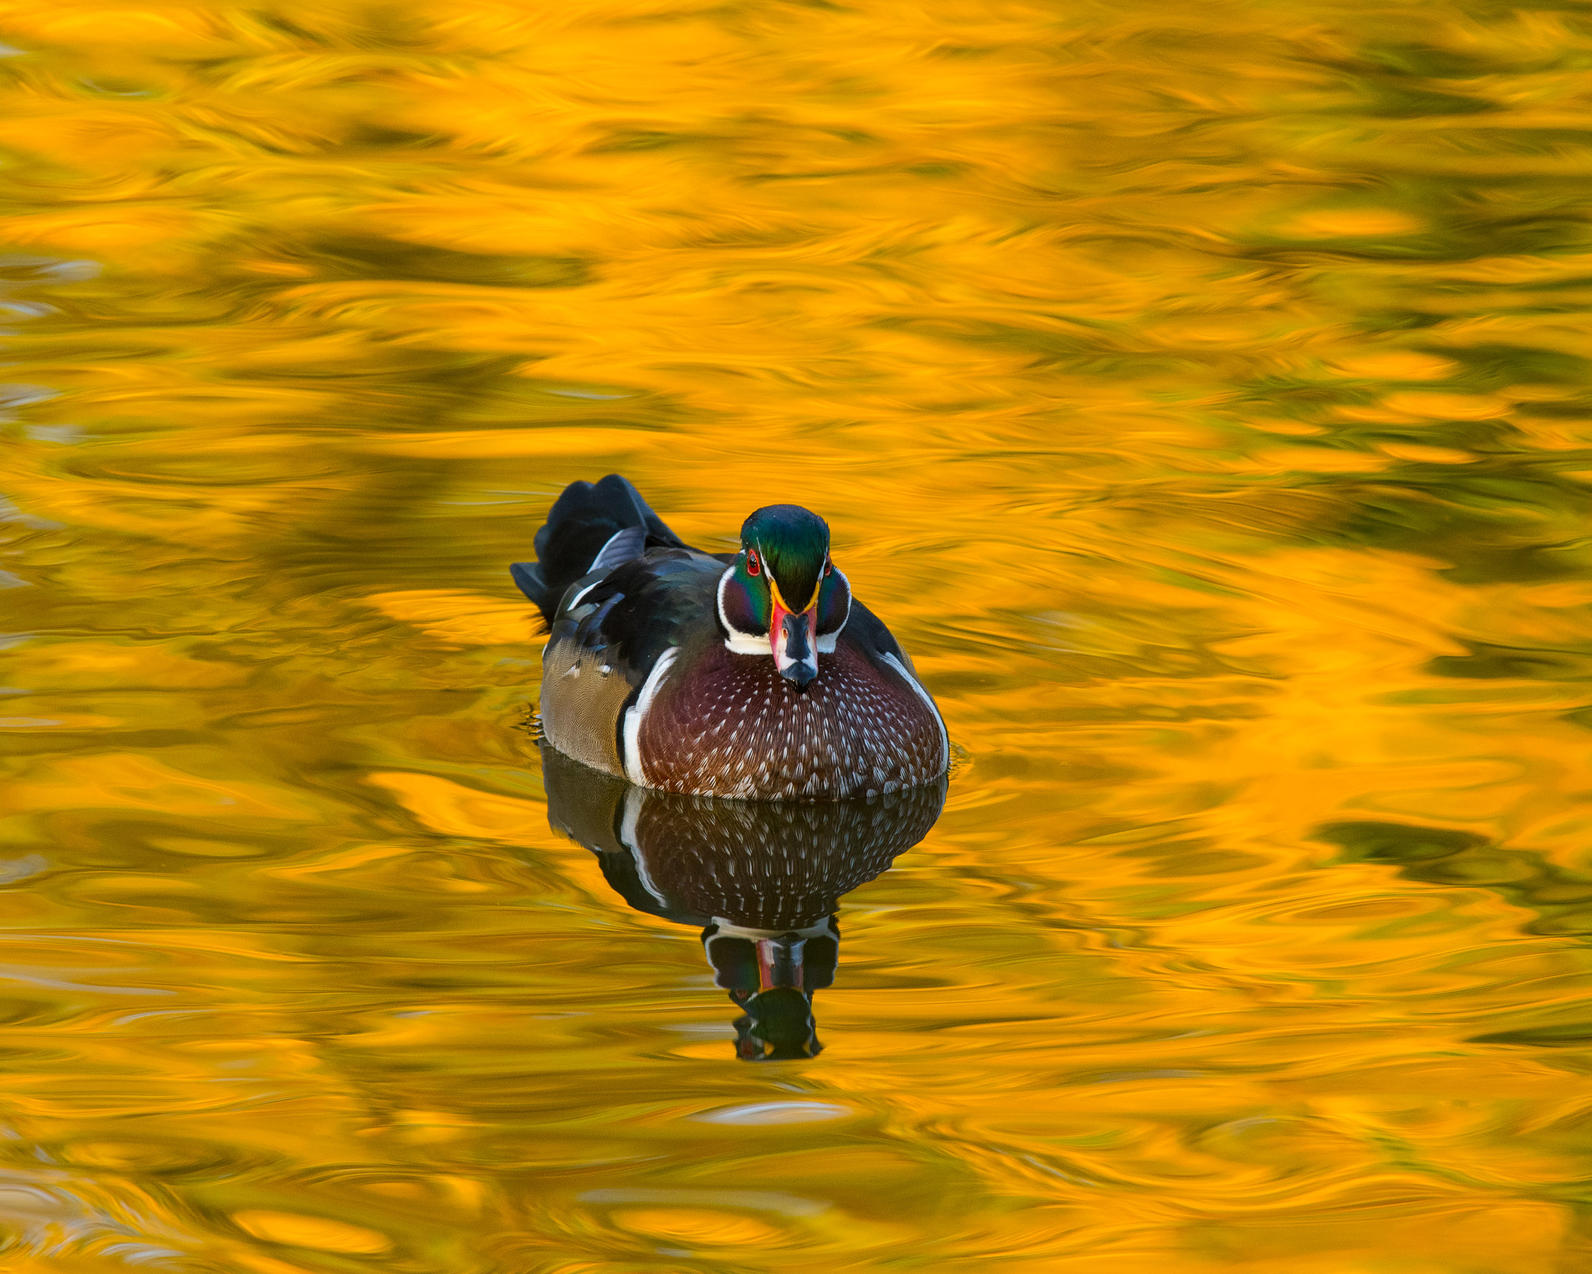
x=637, y=713
x=945, y=739
x=633, y=802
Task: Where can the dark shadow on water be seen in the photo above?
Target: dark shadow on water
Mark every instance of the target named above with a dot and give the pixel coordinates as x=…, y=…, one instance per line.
x=1559, y=899
x=760, y=879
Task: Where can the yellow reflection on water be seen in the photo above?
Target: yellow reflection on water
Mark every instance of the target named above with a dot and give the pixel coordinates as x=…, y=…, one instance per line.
x=1203, y=400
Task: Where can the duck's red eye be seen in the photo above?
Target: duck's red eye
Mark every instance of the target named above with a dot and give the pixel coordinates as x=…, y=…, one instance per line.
x=829, y=567
x=754, y=566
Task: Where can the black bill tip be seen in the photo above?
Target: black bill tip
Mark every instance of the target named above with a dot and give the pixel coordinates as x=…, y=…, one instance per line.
x=800, y=663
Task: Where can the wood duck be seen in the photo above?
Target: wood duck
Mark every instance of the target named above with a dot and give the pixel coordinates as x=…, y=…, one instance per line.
x=752, y=674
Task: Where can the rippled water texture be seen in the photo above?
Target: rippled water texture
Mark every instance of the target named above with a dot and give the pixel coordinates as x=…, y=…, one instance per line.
x=1202, y=395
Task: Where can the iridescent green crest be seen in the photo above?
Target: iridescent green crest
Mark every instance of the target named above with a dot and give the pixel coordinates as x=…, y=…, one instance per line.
x=790, y=545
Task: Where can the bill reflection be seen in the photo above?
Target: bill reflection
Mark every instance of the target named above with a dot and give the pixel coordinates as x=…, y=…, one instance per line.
x=760, y=879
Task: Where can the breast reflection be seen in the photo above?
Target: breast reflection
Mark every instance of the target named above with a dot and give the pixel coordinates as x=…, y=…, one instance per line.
x=762, y=880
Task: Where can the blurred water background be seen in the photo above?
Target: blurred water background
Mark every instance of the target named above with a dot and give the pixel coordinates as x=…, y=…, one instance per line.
x=1204, y=397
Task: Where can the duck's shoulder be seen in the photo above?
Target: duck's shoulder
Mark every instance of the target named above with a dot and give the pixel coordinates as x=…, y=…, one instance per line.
x=630, y=614
x=865, y=635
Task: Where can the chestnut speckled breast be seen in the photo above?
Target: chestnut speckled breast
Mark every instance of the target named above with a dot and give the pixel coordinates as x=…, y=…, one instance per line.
x=731, y=724
x=754, y=674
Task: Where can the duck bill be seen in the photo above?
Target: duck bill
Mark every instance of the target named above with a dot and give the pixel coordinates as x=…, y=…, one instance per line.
x=794, y=638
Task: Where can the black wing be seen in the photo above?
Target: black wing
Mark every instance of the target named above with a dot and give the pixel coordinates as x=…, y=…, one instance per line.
x=591, y=523
x=631, y=614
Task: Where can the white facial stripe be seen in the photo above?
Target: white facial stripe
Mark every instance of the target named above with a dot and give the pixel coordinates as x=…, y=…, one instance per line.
x=917, y=689
x=738, y=640
x=637, y=713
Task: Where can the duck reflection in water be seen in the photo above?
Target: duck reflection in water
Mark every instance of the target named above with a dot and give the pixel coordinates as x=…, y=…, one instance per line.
x=761, y=879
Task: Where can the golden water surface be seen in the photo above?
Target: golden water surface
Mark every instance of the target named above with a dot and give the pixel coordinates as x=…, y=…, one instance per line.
x=1202, y=393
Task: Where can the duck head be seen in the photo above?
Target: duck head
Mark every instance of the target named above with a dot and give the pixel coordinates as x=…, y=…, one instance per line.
x=782, y=596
